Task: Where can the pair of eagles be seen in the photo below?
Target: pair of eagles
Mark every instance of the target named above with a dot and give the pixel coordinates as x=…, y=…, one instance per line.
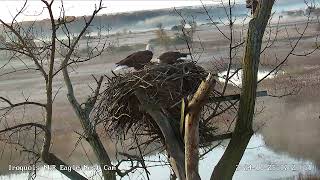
x=138, y=59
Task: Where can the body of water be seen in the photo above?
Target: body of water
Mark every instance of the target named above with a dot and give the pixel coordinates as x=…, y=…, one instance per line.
x=236, y=79
x=258, y=162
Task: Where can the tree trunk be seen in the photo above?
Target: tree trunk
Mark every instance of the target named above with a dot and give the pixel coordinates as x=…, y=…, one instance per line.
x=90, y=131
x=243, y=129
x=191, y=136
x=102, y=156
x=173, y=145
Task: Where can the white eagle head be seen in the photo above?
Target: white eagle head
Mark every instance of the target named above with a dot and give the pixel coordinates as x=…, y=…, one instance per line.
x=149, y=47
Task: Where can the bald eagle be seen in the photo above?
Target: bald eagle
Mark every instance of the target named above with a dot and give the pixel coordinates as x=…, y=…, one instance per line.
x=136, y=60
x=171, y=57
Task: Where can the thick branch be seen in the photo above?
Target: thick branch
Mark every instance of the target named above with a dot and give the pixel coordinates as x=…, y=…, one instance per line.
x=49, y=80
x=218, y=137
x=235, y=97
x=174, y=146
x=191, y=135
x=51, y=159
x=74, y=102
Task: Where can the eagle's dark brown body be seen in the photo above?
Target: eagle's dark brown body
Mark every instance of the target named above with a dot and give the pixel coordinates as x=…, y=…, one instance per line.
x=171, y=57
x=137, y=60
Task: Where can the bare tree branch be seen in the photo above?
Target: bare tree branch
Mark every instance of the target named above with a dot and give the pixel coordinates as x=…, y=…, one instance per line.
x=13, y=105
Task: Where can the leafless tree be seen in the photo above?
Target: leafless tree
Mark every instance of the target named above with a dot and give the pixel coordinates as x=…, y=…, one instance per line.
x=255, y=43
x=51, y=58
x=49, y=61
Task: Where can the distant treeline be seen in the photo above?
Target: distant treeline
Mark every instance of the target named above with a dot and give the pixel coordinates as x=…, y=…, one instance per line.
x=139, y=20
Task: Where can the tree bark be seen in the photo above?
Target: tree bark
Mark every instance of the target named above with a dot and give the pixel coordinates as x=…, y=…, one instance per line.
x=90, y=131
x=173, y=145
x=191, y=136
x=243, y=129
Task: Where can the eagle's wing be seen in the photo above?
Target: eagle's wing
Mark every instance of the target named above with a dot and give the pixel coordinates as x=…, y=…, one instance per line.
x=169, y=57
x=143, y=57
x=137, y=59
x=125, y=60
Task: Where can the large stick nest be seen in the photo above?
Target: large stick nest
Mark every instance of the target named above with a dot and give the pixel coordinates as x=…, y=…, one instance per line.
x=164, y=84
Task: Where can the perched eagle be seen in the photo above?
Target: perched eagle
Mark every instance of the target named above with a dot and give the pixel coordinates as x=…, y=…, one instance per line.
x=136, y=60
x=171, y=57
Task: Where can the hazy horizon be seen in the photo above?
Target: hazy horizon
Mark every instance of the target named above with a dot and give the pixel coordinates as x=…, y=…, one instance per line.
x=35, y=9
